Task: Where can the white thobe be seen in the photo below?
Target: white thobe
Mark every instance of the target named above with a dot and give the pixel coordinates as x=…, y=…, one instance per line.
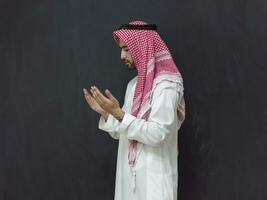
x=156, y=165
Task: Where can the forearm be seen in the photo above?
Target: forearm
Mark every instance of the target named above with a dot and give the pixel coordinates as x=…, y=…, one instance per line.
x=109, y=125
x=147, y=132
x=162, y=118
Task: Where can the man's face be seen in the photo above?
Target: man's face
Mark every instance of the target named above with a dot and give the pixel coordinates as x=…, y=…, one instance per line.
x=126, y=56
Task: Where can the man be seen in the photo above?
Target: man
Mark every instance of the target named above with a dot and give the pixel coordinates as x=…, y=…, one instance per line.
x=147, y=124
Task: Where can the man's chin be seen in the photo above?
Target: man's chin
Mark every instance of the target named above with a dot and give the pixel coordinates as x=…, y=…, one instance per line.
x=129, y=66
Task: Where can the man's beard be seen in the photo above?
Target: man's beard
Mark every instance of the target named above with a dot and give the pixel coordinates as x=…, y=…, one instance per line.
x=131, y=69
x=130, y=66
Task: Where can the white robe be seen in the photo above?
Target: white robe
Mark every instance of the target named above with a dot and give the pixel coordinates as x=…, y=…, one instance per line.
x=156, y=166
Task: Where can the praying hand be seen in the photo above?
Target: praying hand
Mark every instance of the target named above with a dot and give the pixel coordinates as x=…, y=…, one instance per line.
x=102, y=104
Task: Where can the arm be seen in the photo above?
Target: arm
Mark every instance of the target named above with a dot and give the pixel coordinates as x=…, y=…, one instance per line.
x=110, y=126
x=162, y=117
x=111, y=123
x=107, y=122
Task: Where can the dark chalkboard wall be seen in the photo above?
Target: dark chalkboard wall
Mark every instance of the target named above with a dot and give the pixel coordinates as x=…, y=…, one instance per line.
x=50, y=147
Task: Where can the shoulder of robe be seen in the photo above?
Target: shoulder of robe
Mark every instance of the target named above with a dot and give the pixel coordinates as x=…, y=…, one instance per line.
x=176, y=86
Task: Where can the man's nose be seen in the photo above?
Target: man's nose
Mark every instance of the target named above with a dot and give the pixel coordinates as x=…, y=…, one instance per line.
x=123, y=55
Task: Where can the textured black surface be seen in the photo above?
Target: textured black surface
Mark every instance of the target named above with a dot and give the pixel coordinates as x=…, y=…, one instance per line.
x=50, y=148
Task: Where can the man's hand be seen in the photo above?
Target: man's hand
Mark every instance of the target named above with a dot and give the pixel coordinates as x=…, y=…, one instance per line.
x=94, y=105
x=109, y=104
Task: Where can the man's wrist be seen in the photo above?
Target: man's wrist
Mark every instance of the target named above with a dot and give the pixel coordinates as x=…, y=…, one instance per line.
x=105, y=115
x=119, y=115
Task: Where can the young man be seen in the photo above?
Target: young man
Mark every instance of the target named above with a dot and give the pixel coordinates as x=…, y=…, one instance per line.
x=147, y=124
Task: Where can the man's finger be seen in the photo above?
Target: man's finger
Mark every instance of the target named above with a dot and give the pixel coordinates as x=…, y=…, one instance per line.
x=96, y=97
x=109, y=95
x=100, y=96
x=92, y=93
x=86, y=93
x=88, y=97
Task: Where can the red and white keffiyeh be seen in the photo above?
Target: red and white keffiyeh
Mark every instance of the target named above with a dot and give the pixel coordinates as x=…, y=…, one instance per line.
x=154, y=64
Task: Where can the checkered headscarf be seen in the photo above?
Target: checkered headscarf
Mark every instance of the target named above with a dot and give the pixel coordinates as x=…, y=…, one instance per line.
x=154, y=64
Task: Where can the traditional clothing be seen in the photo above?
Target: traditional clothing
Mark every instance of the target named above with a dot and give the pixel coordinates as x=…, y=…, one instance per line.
x=154, y=111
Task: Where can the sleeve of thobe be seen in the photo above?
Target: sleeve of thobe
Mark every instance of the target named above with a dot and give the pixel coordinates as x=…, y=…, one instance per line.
x=111, y=124
x=161, y=118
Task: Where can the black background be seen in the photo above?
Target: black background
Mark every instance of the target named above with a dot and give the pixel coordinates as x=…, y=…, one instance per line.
x=50, y=145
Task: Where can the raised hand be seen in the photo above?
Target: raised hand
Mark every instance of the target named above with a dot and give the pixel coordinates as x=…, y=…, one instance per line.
x=93, y=104
x=110, y=104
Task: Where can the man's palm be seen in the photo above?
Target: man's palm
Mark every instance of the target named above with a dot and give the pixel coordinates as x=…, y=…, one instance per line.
x=93, y=103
